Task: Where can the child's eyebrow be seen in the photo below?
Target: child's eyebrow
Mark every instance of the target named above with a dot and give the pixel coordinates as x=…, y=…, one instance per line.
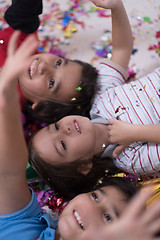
x=58, y=84
x=59, y=153
x=104, y=194
x=65, y=62
x=102, y=191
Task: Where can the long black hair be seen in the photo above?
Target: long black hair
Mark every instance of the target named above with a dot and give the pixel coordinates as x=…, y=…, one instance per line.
x=64, y=179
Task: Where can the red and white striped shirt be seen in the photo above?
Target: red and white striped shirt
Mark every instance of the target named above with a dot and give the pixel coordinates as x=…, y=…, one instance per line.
x=136, y=102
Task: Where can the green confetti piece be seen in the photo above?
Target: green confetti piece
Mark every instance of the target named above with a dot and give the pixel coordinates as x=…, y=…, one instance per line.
x=147, y=19
x=78, y=88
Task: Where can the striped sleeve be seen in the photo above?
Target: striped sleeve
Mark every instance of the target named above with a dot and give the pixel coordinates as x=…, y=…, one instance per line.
x=140, y=160
x=110, y=75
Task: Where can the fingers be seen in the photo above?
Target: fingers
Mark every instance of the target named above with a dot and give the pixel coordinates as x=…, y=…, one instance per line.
x=118, y=150
x=13, y=43
x=19, y=58
x=27, y=48
x=154, y=227
x=152, y=217
x=112, y=121
x=138, y=203
x=29, y=45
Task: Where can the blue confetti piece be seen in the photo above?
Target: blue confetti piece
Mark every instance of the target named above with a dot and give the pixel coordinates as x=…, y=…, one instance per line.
x=134, y=51
x=40, y=48
x=66, y=20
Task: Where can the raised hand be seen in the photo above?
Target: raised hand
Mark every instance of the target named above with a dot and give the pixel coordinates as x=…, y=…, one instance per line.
x=108, y=4
x=137, y=222
x=18, y=58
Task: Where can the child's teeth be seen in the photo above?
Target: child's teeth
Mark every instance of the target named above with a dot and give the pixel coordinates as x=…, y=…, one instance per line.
x=77, y=126
x=32, y=67
x=79, y=219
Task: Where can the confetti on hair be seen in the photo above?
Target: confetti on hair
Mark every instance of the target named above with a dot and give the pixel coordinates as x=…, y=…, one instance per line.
x=73, y=99
x=79, y=89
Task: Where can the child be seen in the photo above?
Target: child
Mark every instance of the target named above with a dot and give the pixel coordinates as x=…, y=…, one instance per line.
x=88, y=216
x=74, y=142
x=49, y=77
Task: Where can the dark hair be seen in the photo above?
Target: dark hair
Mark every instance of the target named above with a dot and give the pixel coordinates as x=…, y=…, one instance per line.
x=51, y=110
x=129, y=186
x=64, y=179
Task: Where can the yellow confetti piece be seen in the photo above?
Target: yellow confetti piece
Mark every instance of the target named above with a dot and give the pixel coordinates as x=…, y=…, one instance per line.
x=67, y=34
x=72, y=28
x=151, y=99
x=59, y=26
x=119, y=175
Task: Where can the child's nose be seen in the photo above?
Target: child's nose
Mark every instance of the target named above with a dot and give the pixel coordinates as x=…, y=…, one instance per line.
x=67, y=130
x=43, y=68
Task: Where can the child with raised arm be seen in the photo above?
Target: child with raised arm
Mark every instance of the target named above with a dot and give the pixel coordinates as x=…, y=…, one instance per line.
x=87, y=216
x=53, y=86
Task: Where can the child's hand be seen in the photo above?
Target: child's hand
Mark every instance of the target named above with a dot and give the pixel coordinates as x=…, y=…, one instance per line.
x=120, y=133
x=19, y=58
x=108, y=4
x=142, y=223
x=137, y=222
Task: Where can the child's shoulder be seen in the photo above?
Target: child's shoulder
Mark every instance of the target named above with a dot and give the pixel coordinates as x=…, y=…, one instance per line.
x=109, y=65
x=27, y=223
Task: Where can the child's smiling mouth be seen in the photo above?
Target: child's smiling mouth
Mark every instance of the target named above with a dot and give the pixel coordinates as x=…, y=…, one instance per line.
x=77, y=126
x=33, y=68
x=78, y=219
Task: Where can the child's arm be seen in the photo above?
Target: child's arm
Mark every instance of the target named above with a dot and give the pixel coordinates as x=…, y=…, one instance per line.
x=122, y=40
x=124, y=134
x=13, y=151
x=136, y=222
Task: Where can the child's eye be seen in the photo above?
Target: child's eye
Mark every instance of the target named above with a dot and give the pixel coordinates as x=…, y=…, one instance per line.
x=95, y=197
x=51, y=83
x=108, y=218
x=56, y=126
x=58, y=63
x=63, y=145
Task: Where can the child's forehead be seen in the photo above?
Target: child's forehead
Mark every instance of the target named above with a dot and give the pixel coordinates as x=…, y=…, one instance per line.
x=112, y=190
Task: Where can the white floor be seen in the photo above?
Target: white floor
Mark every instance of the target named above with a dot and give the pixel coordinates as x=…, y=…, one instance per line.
x=144, y=17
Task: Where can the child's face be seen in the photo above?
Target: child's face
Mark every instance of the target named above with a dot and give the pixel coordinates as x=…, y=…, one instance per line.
x=50, y=77
x=71, y=138
x=88, y=215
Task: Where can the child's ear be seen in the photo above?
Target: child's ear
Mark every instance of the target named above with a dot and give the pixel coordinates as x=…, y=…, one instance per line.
x=85, y=168
x=34, y=105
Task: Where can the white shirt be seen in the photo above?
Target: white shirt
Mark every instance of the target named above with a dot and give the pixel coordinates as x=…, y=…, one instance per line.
x=136, y=102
